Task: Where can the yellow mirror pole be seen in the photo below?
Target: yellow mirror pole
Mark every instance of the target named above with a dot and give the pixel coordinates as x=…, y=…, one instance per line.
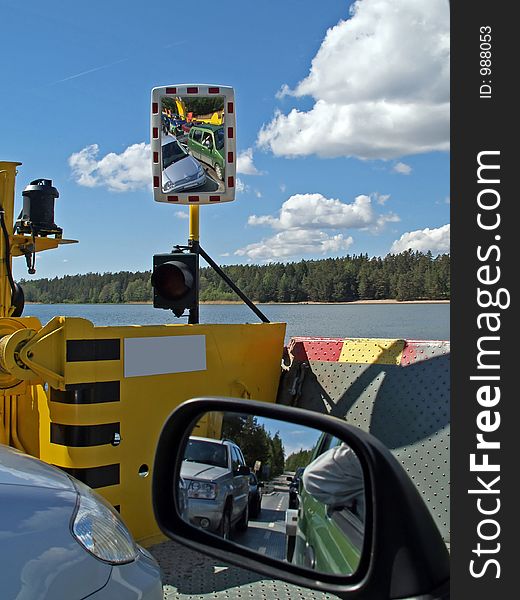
x=194, y=224
x=7, y=181
x=193, y=242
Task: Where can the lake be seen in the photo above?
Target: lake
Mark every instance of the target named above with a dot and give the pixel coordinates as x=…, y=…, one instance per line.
x=403, y=321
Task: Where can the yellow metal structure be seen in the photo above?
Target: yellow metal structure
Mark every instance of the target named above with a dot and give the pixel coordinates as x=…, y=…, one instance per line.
x=92, y=400
x=372, y=351
x=7, y=180
x=194, y=224
x=18, y=245
x=101, y=423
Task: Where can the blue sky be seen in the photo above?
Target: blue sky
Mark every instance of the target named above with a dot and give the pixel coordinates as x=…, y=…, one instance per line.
x=355, y=160
x=294, y=437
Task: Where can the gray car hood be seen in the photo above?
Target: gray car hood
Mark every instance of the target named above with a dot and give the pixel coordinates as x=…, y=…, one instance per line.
x=194, y=470
x=181, y=169
x=39, y=556
x=17, y=468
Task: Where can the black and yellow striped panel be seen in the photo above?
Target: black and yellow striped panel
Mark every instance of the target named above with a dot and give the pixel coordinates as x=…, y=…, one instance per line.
x=79, y=436
x=93, y=350
x=95, y=477
x=88, y=393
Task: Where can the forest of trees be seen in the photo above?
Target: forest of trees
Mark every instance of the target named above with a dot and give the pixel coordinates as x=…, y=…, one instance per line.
x=256, y=443
x=406, y=276
x=298, y=459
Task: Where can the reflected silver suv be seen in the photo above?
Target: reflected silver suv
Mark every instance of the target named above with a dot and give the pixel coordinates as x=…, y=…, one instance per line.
x=217, y=485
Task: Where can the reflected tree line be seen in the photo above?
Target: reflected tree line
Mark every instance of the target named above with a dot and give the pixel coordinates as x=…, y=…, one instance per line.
x=256, y=443
x=406, y=276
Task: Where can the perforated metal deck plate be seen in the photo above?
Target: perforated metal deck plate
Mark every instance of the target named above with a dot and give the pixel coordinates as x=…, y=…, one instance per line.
x=406, y=406
x=189, y=575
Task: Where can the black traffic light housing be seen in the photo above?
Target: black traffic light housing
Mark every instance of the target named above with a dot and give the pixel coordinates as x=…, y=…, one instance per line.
x=175, y=281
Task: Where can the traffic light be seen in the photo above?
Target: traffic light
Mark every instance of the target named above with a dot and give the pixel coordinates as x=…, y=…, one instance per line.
x=175, y=281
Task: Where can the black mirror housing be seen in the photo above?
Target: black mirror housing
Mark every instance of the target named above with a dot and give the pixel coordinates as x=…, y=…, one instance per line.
x=403, y=554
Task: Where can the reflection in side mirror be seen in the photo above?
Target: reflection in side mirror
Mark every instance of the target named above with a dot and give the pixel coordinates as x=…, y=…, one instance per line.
x=221, y=494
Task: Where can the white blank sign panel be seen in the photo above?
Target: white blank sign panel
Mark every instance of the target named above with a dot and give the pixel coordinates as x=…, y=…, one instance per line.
x=164, y=355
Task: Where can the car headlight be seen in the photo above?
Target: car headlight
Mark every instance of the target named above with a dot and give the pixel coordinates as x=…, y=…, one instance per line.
x=200, y=489
x=99, y=529
x=200, y=170
x=168, y=186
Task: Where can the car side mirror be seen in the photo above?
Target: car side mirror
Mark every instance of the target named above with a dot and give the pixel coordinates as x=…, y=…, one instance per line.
x=386, y=543
x=289, y=479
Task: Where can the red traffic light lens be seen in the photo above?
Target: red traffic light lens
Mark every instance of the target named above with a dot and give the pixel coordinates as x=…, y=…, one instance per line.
x=172, y=280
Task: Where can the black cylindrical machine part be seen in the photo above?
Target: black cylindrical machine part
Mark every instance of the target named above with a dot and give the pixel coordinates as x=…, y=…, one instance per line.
x=38, y=206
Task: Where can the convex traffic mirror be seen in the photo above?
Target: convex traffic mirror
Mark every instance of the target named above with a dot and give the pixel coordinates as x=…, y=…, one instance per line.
x=193, y=133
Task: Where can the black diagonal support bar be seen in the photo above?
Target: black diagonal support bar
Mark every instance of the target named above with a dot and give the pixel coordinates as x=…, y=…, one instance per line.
x=197, y=248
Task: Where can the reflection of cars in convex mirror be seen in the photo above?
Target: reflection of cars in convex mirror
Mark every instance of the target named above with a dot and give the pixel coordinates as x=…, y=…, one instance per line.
x=233, y=484
x=193, y=144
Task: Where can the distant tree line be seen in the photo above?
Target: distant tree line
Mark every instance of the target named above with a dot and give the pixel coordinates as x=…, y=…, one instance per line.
x=256, y=443
x=406, y=276
x=298, y=459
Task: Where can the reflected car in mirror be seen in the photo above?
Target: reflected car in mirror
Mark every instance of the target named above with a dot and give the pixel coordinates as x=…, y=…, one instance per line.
x=217, y=485
x=294, y=487
x=331, y=513
x=180, y=170
x=255, y=496
x=206, y=143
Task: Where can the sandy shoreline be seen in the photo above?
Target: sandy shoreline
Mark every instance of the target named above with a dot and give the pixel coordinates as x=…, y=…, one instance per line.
x=333, y=303
x=281, y=303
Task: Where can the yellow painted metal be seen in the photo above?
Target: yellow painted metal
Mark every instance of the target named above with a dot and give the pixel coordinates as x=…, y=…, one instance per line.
x=21, y=244
x=7, y=182
x=18, y=244
x=372, y=351
x=194, y=223
x=241, y=361
x=13, y=333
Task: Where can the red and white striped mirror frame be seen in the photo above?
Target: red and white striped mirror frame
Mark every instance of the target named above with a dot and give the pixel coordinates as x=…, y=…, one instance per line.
x=194, y=89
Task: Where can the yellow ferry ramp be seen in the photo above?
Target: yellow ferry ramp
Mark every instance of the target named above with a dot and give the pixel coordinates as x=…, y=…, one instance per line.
x=372, y=351
x=110, y=389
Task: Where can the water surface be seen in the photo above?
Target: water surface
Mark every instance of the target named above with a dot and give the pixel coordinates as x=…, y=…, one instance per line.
x=403, y=321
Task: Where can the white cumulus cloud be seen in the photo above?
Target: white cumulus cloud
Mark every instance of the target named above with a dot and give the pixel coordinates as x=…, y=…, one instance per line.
x=245, y=164
x=380, y=81
x=290, y=244
x=422, y=240
x=309, y=224
x=402, y=168
x=130, y=170
x=315, y=211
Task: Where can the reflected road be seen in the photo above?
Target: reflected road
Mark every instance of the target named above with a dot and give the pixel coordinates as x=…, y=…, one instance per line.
x=266, y=533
